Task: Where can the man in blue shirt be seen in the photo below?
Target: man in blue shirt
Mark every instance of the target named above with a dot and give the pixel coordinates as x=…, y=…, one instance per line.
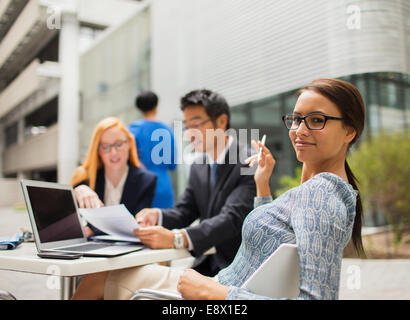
x=156, y=147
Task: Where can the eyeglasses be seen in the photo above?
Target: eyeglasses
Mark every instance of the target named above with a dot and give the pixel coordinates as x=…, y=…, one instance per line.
x=315, y=121
x=106, y=147
x=196, y=125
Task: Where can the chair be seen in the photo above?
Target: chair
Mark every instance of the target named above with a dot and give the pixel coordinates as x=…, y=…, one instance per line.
x=151, y=294
x=277, y=277
x=4, y=295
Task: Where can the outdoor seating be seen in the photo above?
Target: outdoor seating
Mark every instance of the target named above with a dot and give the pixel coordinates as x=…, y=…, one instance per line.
x=281, y=282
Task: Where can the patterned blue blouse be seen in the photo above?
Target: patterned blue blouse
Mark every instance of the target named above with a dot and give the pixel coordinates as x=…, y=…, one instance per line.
x=318, y=217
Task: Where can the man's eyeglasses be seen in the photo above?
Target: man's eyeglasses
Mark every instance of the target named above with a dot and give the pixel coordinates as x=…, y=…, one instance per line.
x=315, y=121
x=196, y=125
x=106, y=147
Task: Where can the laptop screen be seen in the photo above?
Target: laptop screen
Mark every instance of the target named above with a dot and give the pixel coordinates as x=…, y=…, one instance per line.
x=55, y=214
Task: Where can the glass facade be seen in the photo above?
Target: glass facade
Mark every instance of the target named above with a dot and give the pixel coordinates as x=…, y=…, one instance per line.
x=387, y=101
x=386, y=96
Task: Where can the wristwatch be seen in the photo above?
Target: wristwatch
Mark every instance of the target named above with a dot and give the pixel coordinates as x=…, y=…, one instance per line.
x=178, y=239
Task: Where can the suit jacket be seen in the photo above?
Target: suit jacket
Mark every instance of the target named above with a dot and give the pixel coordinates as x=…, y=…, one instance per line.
x=138, y=192
x=220, y=209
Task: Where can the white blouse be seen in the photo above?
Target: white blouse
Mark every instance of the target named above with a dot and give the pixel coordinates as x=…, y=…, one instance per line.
x=112, y=195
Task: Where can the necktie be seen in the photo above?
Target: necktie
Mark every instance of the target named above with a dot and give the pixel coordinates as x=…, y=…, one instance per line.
x=213, y=173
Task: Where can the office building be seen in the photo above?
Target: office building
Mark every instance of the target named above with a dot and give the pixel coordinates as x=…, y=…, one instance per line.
x=256, y=53
x=40, y=45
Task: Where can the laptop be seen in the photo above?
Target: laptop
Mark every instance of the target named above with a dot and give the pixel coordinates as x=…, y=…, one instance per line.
x=56, y=224
x=278, y=275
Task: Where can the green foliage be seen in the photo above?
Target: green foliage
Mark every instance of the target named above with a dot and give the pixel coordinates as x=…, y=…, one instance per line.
x=288, y=182
x=382, y=166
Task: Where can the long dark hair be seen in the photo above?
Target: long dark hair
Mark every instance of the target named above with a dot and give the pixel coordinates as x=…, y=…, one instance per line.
x=350, y=103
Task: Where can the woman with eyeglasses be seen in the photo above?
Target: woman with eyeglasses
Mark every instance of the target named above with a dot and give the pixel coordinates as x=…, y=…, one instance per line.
x=111, y=173
x=320, y=216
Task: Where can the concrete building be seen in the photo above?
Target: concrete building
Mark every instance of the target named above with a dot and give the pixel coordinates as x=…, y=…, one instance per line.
x=255, y=53
x=113, y=70
x=40, y=45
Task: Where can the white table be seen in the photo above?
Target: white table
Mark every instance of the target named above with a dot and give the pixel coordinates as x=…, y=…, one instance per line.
x=24, y=259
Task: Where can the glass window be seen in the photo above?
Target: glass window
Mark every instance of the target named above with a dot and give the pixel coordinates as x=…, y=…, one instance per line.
x=290, y=101
x=407, y=106
x=373, y=92
x=407, y=98
x=239, y=118
x=361, y=85
x=266, y=113
x=388, y=94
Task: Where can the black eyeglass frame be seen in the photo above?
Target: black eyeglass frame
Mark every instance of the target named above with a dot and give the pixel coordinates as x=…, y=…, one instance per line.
x=307, y=116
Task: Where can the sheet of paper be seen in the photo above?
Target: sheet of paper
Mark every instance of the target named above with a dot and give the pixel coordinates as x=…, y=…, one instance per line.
x=116, y=221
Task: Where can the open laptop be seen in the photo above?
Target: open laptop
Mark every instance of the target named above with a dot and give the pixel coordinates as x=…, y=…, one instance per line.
x=56, y=224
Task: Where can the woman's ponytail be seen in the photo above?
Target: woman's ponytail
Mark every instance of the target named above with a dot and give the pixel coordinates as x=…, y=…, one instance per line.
x=357, y=226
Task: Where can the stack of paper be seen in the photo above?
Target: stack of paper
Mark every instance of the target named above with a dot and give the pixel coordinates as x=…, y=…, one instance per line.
x=116, y=221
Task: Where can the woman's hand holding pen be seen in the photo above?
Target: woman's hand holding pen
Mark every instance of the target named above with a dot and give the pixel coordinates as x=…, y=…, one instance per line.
x=264, y=170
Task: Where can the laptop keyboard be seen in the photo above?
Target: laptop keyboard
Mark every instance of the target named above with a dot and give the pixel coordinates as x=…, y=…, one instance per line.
x=87, y=247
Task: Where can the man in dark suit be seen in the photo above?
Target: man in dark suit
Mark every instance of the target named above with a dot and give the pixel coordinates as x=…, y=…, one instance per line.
x=217, y=194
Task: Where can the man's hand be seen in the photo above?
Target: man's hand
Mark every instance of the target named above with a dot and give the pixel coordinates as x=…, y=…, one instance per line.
x=194, y=286
x=155, y=237
x=147, y=217
x=86, y=197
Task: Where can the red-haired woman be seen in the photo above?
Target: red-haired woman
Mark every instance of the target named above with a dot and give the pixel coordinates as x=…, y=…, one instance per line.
x=111, y=173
